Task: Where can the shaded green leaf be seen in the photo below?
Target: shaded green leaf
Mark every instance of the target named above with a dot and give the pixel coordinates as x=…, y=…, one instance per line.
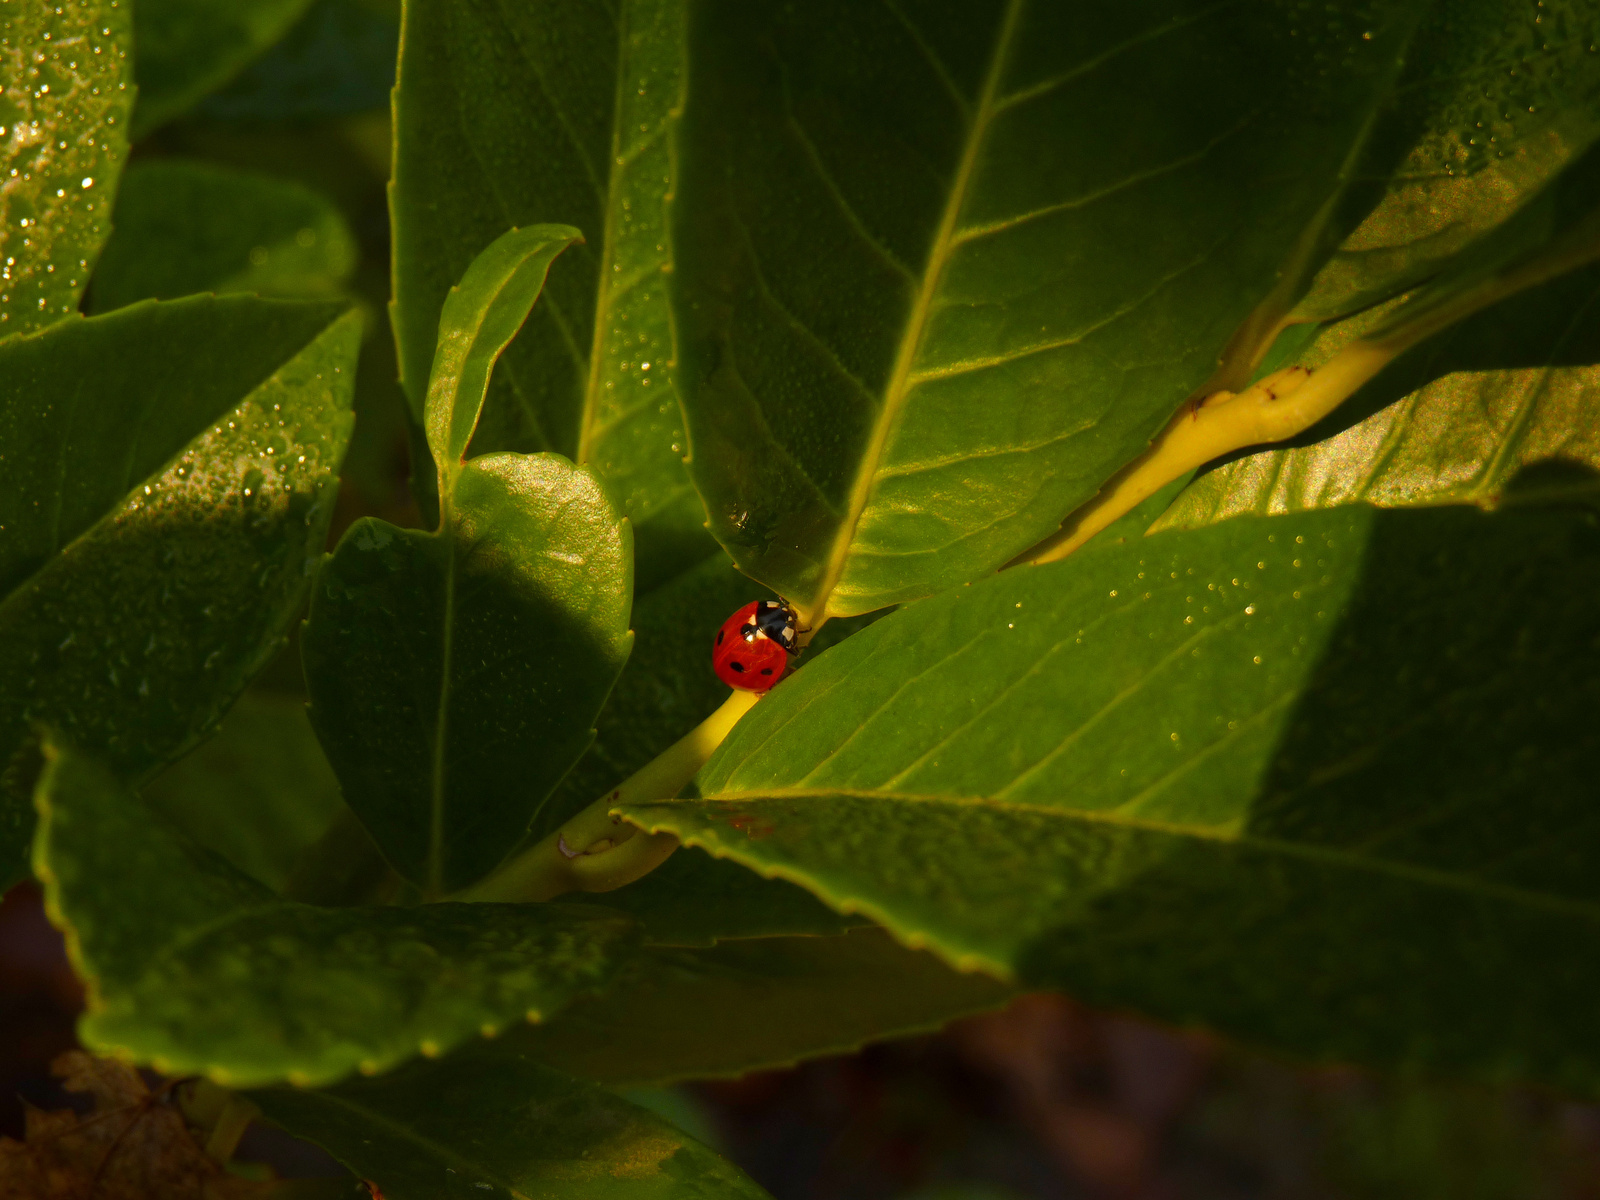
x=1511, y=390
x=210, y=973
x=259, y=792
x=1291, y=777
x=63, y=136
x=455, y=676
x=754, y=1005
x=513, y=115
x=337, y=60
x=696, y=900
x=941, y=272
x=187, y=48
x=167, y=488
x=185, y=227
x=1507, y=95
x=480, y=316
x=489, y=1121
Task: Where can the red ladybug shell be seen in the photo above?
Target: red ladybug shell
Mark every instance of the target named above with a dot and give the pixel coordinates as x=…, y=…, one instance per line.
x=753, y=646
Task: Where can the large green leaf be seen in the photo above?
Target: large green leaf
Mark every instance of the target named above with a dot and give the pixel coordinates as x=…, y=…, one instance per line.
x=210, y=973
x=1512, y=390
x=513, y=115
x=455, y=676
x=186, y=48
x=185, y=227
x=942, y=270
x=754, y=1005
x=165, y=488
x=491, y=1122
x=1323, y=781
x=259, y=792
x=64, y=133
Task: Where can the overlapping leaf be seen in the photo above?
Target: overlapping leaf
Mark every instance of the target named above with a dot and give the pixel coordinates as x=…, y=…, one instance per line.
x=754, y=1005
x=187, y=48
x=1293, y=777
x=63, y=135
x=185, y=227
x=507, y=116
x=1515, y=389
x=210, y=973
x=941, y=273
x=455, y=675
x=1505, y=96
x=490, y=1121
x=166, y=486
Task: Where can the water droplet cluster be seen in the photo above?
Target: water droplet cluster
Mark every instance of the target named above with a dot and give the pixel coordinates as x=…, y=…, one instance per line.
x=66, y=79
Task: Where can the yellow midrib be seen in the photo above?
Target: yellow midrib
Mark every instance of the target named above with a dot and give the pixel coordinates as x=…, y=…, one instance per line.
x=899, y=385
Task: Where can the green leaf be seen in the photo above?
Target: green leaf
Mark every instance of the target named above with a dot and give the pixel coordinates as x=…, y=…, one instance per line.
x=185, y=227
x=1507, y=96
x=514, y=115
x=259, y=792
x=1512, y=390
x=1321, y=781
x=63, y=136
x=695, y=900
x=491, y=1122
x=939, y=274
x=455, y=676
x=481, y=315
x=167, y=483
x=210, y=973
x=754, y=1005
x=338, y=60
x=187, y=48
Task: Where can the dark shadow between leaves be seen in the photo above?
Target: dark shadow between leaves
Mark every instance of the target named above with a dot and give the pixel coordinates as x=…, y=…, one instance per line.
x=1415, y=883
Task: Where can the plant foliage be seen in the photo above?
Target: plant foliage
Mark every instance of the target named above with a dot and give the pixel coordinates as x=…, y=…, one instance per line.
x=886, y=309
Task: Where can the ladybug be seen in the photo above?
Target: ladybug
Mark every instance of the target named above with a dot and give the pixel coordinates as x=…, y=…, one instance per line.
x=754, y=645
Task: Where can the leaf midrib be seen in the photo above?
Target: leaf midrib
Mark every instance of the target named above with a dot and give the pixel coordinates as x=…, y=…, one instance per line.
x=900, y=379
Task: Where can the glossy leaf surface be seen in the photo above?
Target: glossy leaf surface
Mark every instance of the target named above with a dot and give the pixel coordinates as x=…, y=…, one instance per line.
x=185, y=227
x=942, y=271
x=173, y=478
x=455, y=676
x=514, y=115
x=489, y=1121
x=259, y=792
x=1513, y=390
x=187, y=48
x=63, y=136
x=480, y=316
x=210, y=973
x=755, y=1005
x=1289, y=777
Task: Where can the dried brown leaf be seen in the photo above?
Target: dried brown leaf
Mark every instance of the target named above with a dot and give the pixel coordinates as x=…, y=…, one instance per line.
x=132, y=1146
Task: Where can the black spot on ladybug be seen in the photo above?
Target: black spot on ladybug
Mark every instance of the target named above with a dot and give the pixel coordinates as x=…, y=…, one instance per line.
x=766, y=670
x=737, y=666
x=719, y=637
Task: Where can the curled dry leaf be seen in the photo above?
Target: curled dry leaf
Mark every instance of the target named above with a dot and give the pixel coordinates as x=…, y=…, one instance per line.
x=133, y=1145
